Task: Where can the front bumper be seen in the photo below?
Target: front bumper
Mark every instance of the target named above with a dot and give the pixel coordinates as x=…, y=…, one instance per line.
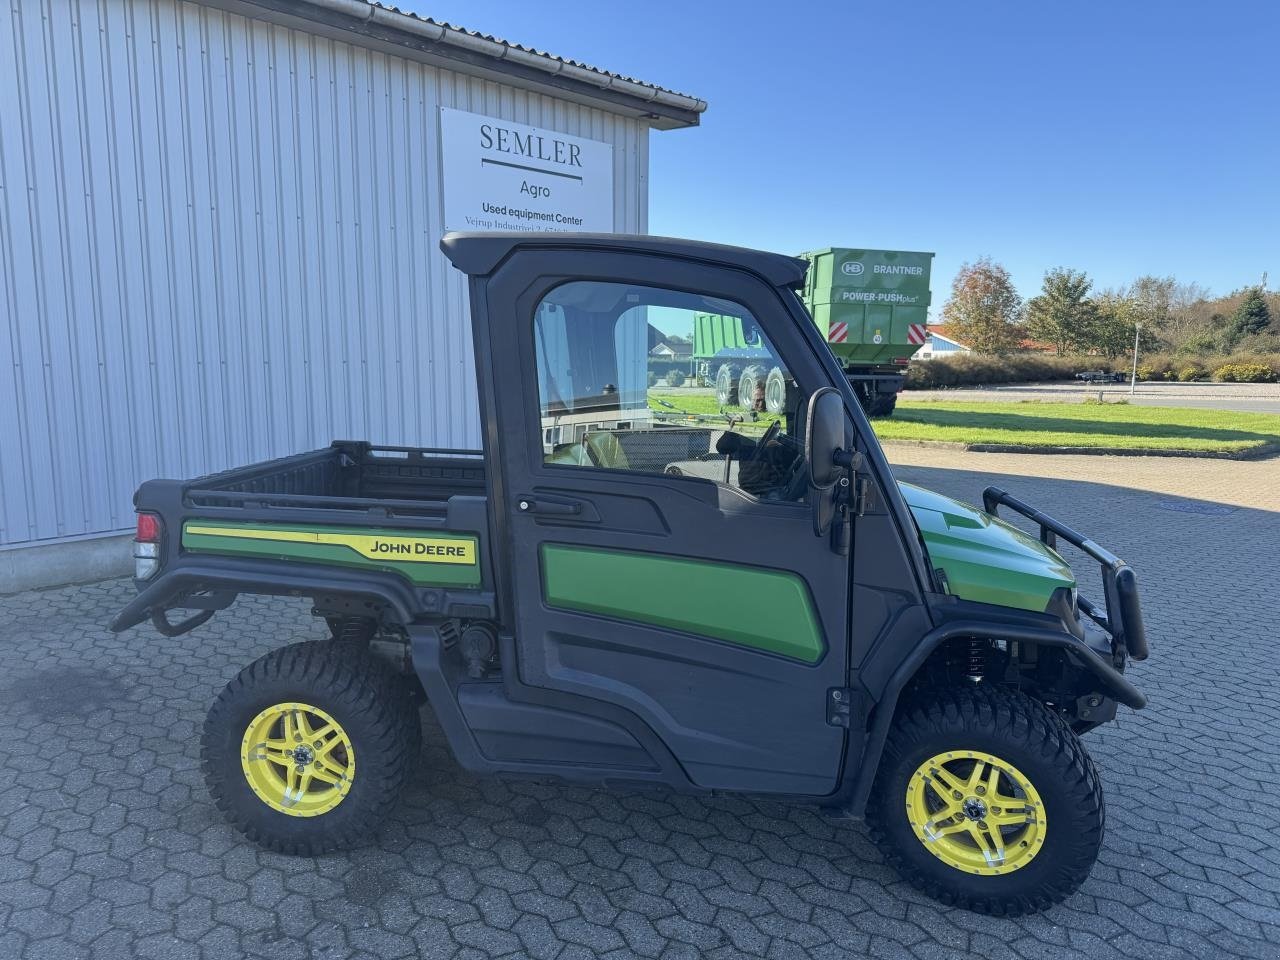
x=1121, y=616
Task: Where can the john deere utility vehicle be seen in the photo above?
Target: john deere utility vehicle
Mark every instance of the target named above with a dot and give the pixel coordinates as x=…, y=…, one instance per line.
x=621, y=592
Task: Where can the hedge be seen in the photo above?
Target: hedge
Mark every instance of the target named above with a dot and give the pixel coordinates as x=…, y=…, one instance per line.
x=1245, y=373
x=1236, y=368
x=973, y=370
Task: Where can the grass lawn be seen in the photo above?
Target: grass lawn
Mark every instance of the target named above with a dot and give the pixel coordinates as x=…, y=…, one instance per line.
x=1115, y=426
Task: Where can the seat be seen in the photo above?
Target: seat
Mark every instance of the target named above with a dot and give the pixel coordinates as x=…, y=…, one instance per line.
x=605, y=450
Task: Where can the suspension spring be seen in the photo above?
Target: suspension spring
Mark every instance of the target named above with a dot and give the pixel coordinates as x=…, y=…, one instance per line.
x=355, y=629
x=976, y=660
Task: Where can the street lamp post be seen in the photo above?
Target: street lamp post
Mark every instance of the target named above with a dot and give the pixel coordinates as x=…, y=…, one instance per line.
x=1133, y=379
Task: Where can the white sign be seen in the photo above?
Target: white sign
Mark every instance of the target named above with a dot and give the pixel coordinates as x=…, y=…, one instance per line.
x=500, y=175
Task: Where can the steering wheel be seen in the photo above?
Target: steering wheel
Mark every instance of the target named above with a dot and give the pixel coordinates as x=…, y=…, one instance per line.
x=770, y=435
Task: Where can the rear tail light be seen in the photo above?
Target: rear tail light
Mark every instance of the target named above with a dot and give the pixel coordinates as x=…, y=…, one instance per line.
x=149, y=528
x=146, y=546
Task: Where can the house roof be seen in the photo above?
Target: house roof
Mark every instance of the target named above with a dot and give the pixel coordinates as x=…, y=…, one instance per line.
x=382, y=25
x=945, y=331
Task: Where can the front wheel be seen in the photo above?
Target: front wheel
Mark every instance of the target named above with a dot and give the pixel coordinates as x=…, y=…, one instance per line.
x=986, y=800
x=307, y=749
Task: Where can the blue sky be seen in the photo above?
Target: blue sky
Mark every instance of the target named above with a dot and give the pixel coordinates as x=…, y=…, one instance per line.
x=1119, y=138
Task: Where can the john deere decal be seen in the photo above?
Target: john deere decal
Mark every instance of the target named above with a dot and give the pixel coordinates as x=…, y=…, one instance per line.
x=427, y=558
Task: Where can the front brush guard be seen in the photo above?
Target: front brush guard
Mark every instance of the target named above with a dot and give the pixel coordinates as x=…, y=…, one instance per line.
x=1122, y=618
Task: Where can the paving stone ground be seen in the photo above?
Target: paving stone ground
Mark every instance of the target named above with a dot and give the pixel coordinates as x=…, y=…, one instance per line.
x=110, y=847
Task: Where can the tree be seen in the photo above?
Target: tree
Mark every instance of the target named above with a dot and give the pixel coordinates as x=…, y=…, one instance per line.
x=1251, y=318
x=1062, y=314
x=1151, y=301
x=1116, y=312
x=984, y=308
x=1189, y=313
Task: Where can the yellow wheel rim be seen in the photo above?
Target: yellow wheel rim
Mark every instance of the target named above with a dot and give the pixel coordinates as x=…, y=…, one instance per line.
x=975, y=812
x=298, y=759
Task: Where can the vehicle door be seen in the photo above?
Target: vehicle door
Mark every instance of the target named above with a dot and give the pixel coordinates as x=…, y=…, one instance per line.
x=662, y=557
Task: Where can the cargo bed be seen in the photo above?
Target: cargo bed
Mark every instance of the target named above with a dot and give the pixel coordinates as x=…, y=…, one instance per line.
x=347, y=475
x=399, y=526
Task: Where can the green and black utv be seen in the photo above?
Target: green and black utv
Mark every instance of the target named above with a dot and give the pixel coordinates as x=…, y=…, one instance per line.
x=628, y=586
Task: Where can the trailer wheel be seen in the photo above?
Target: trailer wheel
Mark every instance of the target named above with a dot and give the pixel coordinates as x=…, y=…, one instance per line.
x=308, y=748
x=775, y=391
x=727, y=385
x=752, y=379
x=882, y=405
x=986, y=800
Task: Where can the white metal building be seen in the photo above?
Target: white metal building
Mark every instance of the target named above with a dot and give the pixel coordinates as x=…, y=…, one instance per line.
x=938, y=344
x=219, y=228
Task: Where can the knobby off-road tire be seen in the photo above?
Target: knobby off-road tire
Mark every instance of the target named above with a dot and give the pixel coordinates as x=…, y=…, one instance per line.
x=1060, y=846
x=348, y=694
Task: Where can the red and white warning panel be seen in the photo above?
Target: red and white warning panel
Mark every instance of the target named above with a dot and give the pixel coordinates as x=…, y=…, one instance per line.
x=916, y=333
x=838, y=333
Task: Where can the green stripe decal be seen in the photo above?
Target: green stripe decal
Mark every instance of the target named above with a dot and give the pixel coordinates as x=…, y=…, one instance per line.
x=425, y=558
x=767, y=610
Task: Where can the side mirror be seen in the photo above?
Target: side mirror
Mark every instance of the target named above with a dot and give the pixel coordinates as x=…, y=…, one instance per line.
x=824, y=438
x=831, y=467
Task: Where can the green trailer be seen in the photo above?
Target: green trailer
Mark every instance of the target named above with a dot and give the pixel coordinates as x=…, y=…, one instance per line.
x=871, y=307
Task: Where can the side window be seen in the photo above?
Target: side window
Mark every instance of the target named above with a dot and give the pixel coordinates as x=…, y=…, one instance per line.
x=660, y=381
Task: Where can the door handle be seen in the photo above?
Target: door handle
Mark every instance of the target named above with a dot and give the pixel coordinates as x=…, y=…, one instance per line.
x=560, y=508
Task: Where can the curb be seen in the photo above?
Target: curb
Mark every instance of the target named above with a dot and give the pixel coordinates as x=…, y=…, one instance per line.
x=1260, y=452
x=86, y=560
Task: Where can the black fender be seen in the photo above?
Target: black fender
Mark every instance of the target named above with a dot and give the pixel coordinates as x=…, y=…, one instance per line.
x=214, y=583
x=1111, y=680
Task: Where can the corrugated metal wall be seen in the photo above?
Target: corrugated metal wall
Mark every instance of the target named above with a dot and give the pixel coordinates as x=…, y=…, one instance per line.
x=218, y=244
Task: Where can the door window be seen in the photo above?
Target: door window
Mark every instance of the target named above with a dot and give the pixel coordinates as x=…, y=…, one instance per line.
x=647, y=380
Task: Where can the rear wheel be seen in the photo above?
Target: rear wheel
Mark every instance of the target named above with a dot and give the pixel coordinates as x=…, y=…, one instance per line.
x=986, y=800
x=308, y=748
x=775, y=391
x=727, y=385
x=749, y=384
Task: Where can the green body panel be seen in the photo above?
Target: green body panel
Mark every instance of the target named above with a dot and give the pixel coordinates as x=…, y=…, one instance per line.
x=878, y=293
x=846, y=275
x=713, y=332
x=253, y=540
x=769, y=610
x=866, y=322
x=984, y=558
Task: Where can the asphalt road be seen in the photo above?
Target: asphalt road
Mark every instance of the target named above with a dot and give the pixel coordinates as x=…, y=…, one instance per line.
x=110, y=847
x=1241, y=397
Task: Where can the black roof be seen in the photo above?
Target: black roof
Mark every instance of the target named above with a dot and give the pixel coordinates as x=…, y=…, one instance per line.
x=478, y=254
